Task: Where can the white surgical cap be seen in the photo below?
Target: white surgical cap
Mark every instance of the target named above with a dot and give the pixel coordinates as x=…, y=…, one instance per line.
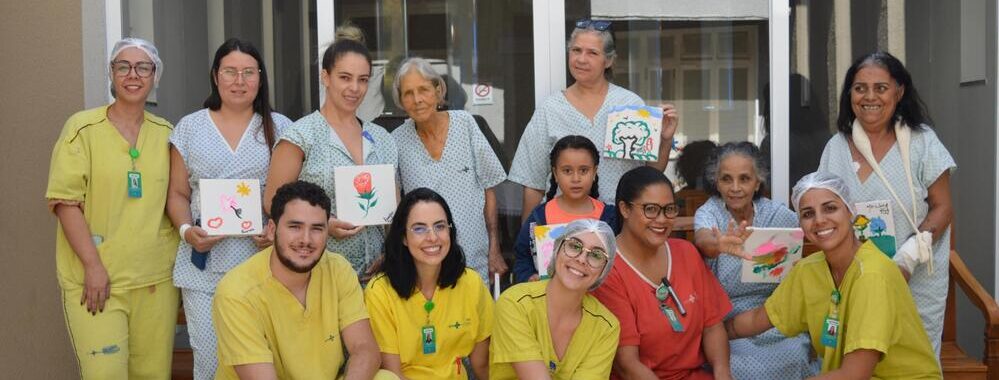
x=821, y=180
x=603, y=232
x=146, y=47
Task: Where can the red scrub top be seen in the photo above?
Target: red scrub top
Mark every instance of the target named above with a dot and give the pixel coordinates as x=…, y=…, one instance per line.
x=671, y=355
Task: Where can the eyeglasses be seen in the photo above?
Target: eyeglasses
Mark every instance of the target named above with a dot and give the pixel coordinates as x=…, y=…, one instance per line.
x=596, y=257
x=652, y=210
x=423, y=229
x=598, y=25
x=142, y=69
x=229, y=74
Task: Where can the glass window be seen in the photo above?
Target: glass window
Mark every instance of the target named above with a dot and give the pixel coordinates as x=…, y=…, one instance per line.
x=187, y=33
x=474, y=45
x=715, y=71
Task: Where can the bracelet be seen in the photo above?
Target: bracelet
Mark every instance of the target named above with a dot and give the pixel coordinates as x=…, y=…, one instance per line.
x=183, y=231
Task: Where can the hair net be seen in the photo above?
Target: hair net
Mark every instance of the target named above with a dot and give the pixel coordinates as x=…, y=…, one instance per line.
x=146, y=47
x=821, y=180
x=603, y=232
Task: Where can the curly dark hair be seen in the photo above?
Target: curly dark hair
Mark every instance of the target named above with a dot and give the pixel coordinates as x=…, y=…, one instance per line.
x=306, y=191
x=910, y=108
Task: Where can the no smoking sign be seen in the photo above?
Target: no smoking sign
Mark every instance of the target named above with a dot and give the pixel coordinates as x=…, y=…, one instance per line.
x=482, y=93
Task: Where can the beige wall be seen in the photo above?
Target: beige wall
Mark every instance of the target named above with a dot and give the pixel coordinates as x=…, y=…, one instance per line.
x=41, y=84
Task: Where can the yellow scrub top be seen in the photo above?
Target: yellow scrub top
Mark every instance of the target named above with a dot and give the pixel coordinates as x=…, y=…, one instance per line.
x=258, y=320
x=522, y=334
x=876, y=312
x=90, y=164
x=462, y=316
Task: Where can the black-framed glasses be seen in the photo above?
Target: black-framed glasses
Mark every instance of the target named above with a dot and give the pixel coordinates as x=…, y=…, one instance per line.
x=229, y=74
x=423, y=229
x=599, y=25
x=652, y=210
x=596, y=257
x=142, y=69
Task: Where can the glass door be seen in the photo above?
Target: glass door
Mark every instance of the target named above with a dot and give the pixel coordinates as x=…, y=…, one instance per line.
x=713, y=59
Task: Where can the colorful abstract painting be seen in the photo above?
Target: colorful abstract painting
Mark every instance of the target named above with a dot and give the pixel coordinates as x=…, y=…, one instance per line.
x=231, y=207
x=365, y=194
x=544, y=245
x=874, y=222
x=633, y=133
x=774, y=251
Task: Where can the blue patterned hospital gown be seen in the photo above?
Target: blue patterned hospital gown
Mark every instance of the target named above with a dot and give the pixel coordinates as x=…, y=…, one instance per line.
x=556, y=118
x=207, y=155
x=928, y=159
x=324, y=151
x=468, y=166
x=770, y=355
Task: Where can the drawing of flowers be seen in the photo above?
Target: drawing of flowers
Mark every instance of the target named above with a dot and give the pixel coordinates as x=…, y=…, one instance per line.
x=365, y=191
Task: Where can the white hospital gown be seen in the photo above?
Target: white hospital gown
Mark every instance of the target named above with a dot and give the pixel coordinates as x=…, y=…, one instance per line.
x=556, y=118
x=207, y=155
x=468, y=166
x=770, y=355
x=928, y=159
x=323, y=152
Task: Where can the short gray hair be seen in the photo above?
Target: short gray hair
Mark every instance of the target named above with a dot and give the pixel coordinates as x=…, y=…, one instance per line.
x=608, y=39
x=603, y=232
x=420, y=66
x=743, y=149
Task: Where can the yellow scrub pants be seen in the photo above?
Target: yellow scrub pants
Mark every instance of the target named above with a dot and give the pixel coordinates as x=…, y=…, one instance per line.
x=131, y=339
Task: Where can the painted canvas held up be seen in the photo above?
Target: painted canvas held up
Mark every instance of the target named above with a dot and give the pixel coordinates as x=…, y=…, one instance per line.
x=774, y=251
x=876, y=223
x=365, y=194
x=231, y=207
x=544, y=245
x=633, y=133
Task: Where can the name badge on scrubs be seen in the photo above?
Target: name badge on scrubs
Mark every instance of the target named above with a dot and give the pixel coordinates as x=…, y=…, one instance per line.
x=134, y=184
x=674, y=320
x=830, y=331
x=429, y=340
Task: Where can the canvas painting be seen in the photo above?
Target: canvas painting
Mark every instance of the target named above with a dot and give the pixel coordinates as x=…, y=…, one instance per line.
x=544, y=245
x=774, y=251
x=365, y=194
x=875, y=222
x=231, y=207
x=633, y=133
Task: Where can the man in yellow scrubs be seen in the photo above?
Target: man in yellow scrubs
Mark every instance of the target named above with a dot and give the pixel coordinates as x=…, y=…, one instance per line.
x=290, y=310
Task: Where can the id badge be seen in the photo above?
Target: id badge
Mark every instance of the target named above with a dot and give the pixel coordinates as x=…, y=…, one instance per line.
x=830, y=332
x=134, y=184
x=429, y=339
x=674, y=320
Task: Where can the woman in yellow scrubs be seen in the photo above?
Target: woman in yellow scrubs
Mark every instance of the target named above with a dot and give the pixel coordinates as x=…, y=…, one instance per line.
x=428, y=311
x=850, y=297
x=554, y=329
x=115, y=246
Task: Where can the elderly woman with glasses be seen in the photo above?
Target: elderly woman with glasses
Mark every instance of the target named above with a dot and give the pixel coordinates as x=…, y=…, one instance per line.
x=582, y=109
x=670, y=305
x=114, y=243
x=849, y=297
x=446, y=151
x=428, y=311
x=554, y=329
x=736, y=176
x=236, y=128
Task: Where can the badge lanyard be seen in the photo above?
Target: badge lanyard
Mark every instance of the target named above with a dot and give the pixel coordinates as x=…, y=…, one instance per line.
x=830, y=329
x=428, y=335
x=134, y=178
x=663, y=292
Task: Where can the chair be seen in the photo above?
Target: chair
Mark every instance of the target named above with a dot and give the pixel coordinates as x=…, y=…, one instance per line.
x=957, y=365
